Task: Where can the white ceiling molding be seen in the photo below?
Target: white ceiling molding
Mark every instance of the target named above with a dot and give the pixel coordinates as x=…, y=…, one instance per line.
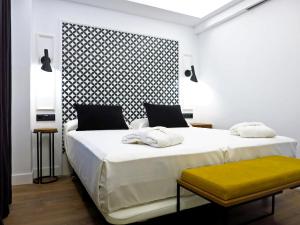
x=141, y=10
x=196, y=8
x=227, y=13
x=217, y=17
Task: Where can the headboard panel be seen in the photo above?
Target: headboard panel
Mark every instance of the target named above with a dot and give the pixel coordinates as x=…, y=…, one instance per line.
x=101, y=66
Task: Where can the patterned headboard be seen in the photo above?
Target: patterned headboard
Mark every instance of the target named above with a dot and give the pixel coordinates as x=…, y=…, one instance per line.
x=101, y=66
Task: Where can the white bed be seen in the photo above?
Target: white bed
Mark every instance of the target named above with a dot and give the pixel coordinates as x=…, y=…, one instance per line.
x=130, y=183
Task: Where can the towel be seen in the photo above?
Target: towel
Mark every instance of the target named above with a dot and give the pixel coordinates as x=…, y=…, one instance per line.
x=256, y=132
x=252, y=130
x=234, y=128
x=159, y=137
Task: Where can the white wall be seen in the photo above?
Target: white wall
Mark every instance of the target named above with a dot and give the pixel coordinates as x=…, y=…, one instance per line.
x=47, y=18
x=21, y=133
x=251, y=66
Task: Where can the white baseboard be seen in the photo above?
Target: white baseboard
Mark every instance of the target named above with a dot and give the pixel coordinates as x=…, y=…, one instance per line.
x=27, y=178
x=45, y=171
x=21, y=178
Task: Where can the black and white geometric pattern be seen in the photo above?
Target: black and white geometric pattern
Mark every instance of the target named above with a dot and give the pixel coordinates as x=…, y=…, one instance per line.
x=101, y=66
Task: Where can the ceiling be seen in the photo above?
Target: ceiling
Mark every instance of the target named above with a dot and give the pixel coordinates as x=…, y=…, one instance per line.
x=185, y=12
x=196, y=8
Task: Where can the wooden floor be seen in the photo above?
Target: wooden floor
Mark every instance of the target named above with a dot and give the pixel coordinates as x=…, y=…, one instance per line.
x=66, y=203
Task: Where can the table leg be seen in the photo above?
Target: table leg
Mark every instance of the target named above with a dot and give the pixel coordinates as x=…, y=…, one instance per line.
x=38, y=156
x=41, y=158
x=52, y=145
x=50, y=157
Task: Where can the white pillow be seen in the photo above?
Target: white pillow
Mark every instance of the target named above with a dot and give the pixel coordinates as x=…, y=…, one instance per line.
x=144, y=122
x=189, y=121
x=256, y=132
x=71, y=125
x=139, y=123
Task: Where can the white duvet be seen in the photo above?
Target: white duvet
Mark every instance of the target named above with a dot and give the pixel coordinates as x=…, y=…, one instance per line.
x=119, y=175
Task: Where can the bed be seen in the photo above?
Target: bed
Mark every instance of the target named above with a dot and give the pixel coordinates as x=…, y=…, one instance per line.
x=131, y=183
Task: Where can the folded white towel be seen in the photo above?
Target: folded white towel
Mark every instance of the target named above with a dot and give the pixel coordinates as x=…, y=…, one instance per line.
x=261, y=131
x=252, y=130
x=234, y=128
x=158, y=137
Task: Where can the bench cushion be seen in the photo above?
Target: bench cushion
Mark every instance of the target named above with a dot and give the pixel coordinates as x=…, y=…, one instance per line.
x=237, y=179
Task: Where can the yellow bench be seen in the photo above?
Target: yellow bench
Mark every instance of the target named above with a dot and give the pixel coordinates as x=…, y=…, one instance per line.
x=241, y=182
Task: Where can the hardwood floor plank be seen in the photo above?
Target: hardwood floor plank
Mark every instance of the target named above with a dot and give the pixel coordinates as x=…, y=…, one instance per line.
x=66, y=203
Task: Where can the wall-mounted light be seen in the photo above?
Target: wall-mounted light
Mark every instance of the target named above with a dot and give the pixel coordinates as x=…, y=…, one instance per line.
x=191, y=73
x=45, y=60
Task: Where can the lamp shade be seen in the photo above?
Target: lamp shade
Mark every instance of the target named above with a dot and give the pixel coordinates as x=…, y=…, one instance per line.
x=45, y=60
x=187, y=73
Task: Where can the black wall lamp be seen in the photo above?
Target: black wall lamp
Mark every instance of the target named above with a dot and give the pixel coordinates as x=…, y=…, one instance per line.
x=191, y=73
x=45, y=60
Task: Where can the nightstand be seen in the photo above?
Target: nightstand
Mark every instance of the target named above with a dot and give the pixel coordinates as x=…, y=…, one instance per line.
x=39, y=148
x=202, y=125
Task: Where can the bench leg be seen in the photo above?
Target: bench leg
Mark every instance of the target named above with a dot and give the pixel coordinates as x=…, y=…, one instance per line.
x=178, y=199
x=273, y=205
x=225, y=215
x=266, y=215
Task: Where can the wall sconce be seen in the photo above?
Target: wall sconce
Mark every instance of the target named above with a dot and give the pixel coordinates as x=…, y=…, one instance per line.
x=45, y=60
x=191, y=73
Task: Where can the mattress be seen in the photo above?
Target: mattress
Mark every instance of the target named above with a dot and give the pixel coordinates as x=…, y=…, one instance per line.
x=120, y=177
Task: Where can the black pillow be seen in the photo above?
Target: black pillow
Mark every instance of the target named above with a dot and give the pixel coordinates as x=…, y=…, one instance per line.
x=100, y=117
x=165, y=115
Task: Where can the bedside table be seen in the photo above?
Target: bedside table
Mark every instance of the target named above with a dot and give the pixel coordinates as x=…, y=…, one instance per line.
x=39, y=148
x=202, y=125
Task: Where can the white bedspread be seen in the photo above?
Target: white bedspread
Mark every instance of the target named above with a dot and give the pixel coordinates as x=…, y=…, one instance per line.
x=119, y=175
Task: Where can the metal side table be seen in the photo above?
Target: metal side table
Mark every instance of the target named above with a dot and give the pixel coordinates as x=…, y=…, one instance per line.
x=39, y=147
